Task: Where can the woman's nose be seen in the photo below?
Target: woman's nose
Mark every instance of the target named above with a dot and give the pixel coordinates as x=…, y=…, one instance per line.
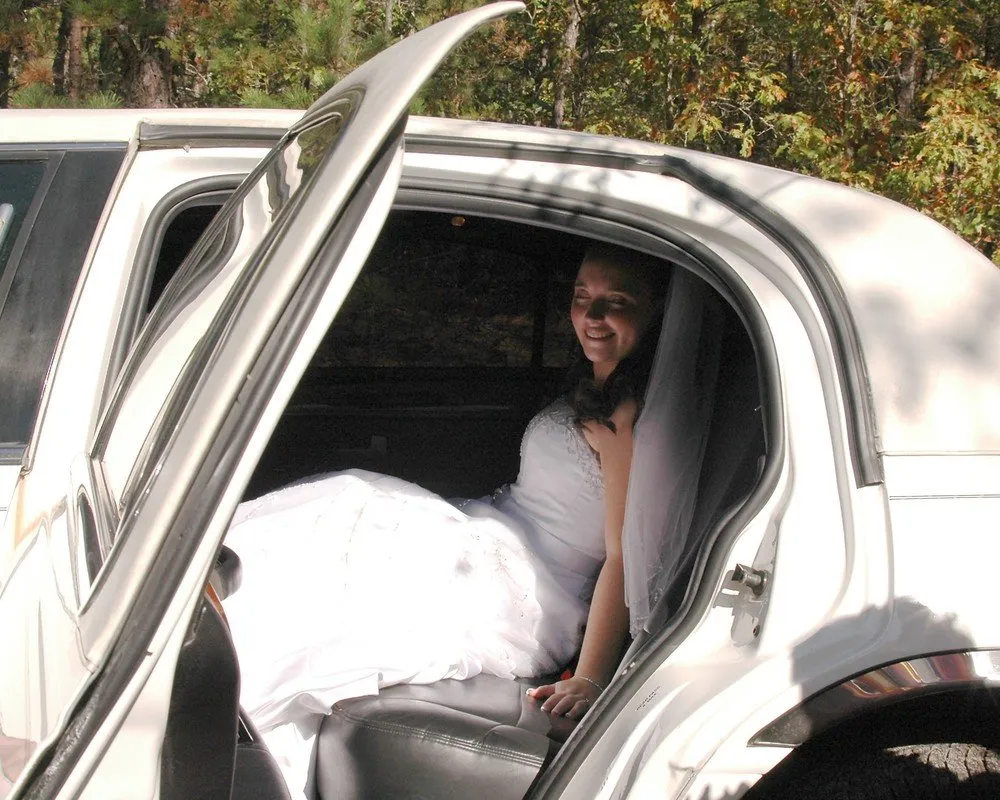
x=597, y=310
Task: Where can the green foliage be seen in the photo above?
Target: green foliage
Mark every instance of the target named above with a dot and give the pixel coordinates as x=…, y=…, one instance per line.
x=250, y=52
x=101, y=100
x=950, y=168
x=897, y=96
x=37, y=95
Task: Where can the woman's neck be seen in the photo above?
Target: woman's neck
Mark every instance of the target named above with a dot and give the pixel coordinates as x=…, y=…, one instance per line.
x=602, y=371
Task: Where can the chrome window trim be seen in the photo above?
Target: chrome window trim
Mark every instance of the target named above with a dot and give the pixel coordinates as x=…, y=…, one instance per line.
x=885, y=685
x=37, y=149
x=166, y=136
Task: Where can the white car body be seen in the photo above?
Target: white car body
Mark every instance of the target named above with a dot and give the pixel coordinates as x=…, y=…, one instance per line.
x=875, y=519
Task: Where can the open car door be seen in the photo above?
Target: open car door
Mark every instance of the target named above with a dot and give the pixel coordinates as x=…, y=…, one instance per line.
x=195, y=403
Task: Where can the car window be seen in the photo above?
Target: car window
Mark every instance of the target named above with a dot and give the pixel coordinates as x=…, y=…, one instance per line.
x=55, y=201
x=453, y=291
x=456, y=321
x=417, y=291
x=180, y=236
x=194, y=296
x=19, y=182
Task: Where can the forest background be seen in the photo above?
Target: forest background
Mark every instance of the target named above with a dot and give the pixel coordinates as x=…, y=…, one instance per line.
x=901, y=97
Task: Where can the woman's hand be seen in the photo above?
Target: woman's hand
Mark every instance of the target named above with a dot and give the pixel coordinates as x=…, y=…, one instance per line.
x=603, y=440
x=569, y=698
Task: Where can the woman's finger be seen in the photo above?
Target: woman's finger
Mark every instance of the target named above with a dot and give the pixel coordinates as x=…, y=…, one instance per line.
x=579, y=709
x=555, y=704
x=564, y=704
x=541, y=692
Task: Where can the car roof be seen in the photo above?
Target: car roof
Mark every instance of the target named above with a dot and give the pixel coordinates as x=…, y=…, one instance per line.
x=925, y=303
x=60, y=126
x=923, y=300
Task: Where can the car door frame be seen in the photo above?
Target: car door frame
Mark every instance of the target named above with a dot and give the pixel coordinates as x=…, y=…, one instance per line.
x=229, y=395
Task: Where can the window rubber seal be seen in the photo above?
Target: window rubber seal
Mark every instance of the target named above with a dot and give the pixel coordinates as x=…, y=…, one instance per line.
x=193, y=193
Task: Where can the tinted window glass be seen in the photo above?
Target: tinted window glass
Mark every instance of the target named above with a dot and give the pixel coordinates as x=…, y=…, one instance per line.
x=425, y=303
x=19, y=181
x=178, y=239
x=560, y=340
x=442, y=291
x=38, y=283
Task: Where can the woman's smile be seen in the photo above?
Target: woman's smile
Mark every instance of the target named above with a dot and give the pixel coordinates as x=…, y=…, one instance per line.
x=611, y=311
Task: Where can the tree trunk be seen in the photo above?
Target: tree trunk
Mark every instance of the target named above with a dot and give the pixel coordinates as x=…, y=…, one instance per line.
x=107, y=68
x=145, y=71
x=581, y=69
x=566, y=63
x=146, y=64
x=75, y=72
x=4, y=78
x=62, y=37
x=388, y=16
x=152, y=87
x=698, y=18
x=909, y=78
x=543, y=67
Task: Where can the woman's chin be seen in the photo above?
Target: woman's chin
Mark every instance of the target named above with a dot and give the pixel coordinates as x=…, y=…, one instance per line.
x=603, y=365
x=599, y=353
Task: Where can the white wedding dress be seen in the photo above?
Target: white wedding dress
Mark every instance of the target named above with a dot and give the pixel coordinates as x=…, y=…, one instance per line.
x=356, y=581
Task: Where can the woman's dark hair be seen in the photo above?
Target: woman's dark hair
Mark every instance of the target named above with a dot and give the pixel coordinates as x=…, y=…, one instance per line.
x=630, y=377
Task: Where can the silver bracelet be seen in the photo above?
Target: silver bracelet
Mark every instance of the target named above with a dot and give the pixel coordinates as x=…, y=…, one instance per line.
x=593, y=683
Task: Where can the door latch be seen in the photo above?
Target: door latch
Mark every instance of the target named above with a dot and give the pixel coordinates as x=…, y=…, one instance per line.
x=754, y=579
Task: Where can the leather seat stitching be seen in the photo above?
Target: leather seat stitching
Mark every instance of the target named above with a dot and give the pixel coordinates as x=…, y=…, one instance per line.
x=402, y=730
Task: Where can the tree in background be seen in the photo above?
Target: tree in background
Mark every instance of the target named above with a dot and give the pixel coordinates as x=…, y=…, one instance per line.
x=134, y=46
x=11, y=15
x=898, y=96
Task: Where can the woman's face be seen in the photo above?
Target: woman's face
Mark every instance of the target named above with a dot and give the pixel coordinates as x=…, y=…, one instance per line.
x=612, y=310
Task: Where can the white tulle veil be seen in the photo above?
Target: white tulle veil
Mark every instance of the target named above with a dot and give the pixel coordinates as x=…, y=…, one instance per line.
x=670, y=440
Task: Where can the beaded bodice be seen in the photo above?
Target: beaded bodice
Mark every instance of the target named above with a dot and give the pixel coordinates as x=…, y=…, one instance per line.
x=559, y=498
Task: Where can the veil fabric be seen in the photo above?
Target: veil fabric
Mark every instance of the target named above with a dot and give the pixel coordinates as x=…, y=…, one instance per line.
x=669, y=444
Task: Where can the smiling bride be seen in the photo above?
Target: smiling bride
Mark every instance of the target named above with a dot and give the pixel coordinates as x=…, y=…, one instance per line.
x=356, y=581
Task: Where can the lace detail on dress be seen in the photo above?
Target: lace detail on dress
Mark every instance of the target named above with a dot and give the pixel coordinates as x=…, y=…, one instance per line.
x=560, y=415
x=542, y=416
x=581, y=450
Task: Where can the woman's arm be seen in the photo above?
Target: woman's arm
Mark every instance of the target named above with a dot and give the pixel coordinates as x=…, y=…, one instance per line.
x=607, y=622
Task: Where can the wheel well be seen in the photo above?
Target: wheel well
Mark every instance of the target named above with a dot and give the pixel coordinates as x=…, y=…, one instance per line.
x=969, y=715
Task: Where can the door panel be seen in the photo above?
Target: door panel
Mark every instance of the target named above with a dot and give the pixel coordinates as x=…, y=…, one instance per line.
x=211, y=372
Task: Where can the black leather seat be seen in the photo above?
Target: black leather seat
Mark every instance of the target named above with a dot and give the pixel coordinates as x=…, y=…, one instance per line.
x=451, y=739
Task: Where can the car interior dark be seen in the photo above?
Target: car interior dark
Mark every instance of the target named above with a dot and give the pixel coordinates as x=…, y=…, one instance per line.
x=453, y=337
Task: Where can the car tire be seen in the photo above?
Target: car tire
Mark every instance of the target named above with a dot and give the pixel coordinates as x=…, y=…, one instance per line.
x=952, y=771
